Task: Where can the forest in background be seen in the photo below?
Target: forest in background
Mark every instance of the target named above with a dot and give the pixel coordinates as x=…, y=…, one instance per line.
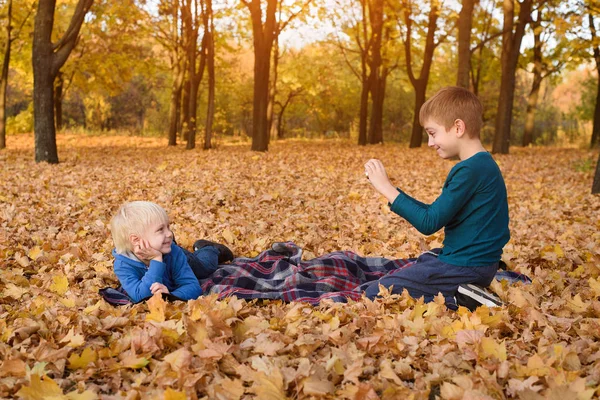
x=326, y=68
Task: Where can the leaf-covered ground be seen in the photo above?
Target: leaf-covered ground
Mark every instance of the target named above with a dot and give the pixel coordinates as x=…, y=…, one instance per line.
x=58, y=338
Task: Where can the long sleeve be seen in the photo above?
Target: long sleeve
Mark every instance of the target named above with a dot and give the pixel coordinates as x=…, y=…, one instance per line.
x=428, y=219
x=186, y=284
x=136, y=286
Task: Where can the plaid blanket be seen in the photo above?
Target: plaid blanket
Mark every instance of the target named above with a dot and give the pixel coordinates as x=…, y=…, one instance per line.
x=280, y=273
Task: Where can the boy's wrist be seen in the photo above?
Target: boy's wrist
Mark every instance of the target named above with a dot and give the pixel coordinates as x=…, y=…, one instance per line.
x=390, y=192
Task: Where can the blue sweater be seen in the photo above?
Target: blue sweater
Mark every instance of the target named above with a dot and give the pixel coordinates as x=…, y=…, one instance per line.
x=473, y=208
x=174, y=272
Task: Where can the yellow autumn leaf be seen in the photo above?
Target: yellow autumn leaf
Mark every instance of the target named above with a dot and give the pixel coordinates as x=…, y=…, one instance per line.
x=134, y=362
x=67, y=302
x=40, y=388
x=171, y=394
x=157, y=307
x=228, y=235
x=86, y=357
x=178, y=359
x=269, y=387
x=60, y=284
x=491, y=348
x=595, y=285
x=72, y=339
x=14, y=291
x=536, y=366
x=35, y=252
x=87, y=395
x=559, y=251
x=576, y=304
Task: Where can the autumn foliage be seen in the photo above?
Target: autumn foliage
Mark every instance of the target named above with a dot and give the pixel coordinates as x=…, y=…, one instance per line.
x=58, y=338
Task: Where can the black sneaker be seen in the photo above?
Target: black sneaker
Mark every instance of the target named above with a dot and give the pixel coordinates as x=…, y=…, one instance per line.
x=473, y=296
x=225, y=255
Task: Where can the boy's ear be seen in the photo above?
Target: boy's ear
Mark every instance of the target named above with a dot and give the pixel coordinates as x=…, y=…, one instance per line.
x=134, y=239
x=460, y=127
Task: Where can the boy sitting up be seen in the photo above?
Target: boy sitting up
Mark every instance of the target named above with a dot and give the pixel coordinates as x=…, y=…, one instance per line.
x=472, y=207
x=147, y=259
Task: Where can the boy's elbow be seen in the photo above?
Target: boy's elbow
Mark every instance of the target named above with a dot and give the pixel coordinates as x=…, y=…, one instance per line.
x=429, y=229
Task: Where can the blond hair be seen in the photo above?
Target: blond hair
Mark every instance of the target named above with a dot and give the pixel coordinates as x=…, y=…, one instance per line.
x=133, y=218
x=452, y=103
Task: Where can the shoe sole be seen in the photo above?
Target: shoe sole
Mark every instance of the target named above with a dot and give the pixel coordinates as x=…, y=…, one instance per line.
x=477, y=294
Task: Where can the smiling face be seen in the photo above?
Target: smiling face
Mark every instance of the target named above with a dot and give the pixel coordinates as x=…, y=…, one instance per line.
x=445, y=142
x=159, y=236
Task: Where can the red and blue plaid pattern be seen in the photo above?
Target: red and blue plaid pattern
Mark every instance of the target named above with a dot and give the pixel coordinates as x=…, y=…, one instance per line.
x=283, y=275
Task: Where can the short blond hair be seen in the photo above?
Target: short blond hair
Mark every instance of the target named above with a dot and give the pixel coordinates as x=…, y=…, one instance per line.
x=133, y=218
x=452, y=103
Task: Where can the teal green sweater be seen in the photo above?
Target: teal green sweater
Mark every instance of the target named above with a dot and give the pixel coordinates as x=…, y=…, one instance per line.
x=473, y=208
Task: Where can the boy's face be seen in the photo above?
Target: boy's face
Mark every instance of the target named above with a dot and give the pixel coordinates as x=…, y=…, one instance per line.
x=159, y=236
x=445, y=142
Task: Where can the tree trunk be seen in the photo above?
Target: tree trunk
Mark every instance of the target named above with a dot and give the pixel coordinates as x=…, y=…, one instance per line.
x=511, y=44
x=596, y=184
x=43, y=84
x=4, y=77
x=192, y=51
x=596, y=50
x=596, y=126
x=376, y=74
x=264, y=36
x=420, y=83
x=531, y=108
x=47, y=60
x=260, y=133
x=210, y=61
x=185, y=106
x=537, y=82
x=280, y=132
x=465, y=24
x=364, y=111
x=59, y=82
x=377, y=101
x=416, y=138
x=178, y=68
x=273, y=86
x=175, y=109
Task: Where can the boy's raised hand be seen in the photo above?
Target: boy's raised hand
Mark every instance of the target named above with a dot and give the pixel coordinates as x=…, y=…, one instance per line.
x=145, y=252
x=379, y=179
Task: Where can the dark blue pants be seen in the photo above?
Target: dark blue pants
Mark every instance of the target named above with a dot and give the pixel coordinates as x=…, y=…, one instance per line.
x=429, y=276
x=203, y=261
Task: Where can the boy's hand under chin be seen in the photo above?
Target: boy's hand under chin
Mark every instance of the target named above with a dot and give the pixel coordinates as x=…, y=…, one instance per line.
x=146, y=253
x=379, y=179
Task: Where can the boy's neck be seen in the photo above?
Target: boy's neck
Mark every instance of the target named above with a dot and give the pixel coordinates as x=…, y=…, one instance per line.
x=470, y=147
